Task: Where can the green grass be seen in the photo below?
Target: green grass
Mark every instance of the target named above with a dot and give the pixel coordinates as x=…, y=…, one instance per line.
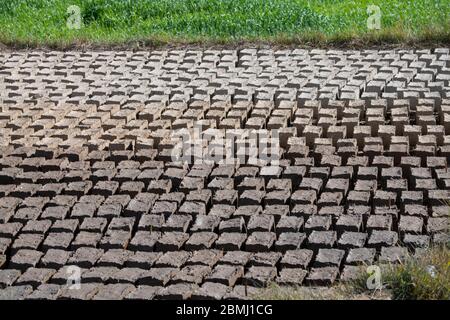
x=106, y=22
x=420, y=277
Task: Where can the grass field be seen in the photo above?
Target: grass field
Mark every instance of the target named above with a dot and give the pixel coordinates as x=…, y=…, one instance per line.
x=43, y=22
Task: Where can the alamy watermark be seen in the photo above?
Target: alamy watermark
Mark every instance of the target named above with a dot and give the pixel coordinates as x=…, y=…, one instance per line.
x=74, y=21
x=374, y=19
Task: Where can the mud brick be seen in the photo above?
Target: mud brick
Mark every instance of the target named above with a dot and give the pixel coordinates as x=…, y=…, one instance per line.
x=4, y=245
x=57, y=241
x=348, y=222
x=360, y=256
x=316, y=222
x=25, y=190
x=425, y=184
x=27, y=241
x=321, y=239
x=15, y=293
x=232, y=225
x=179, y=291
x=379, y=222
x=22, y=215
x=175, y=197
x=160, y=186
x=85, y=257
x=380, y=239
x=290, y=241
x=439, y=211
x=205, y=257
x=191, y=184
x=260, y=241
x=303, y=210
x=330, y=199
x=384, y=198
x=247, y=211
x=51, y=189
x=131, y=188
x=253, y=184
x=55, y=258
x=123, y=276
x=295, y=174
x=6, y=189
x=325, y=276
x=314, y=184
x=228, y=197
x=416, y=210
x=289, y=224
x=97, y=225
x=277, y=198
x=435, y=197
x=291, y=277
x=205, y=223
x=105, y=188
x=76, y=175
x=179, y=223
x=105, y=175
x=125, y=224
x=157, y=276
x=265, y=259
x=410, y=224
x=261, y=223
x=351, y=273
x=251, y=197
x=10, y=230
x=352, y=240
x=222, y=211
x=143, y=293
x=416, y=241
x=35, y=277
x=115, y=239
x=437, y=225
x=142, y=260
x=279, y=184
x=149, y=175
x=79, y=188
x=174, y=259
x=211, y=291
x=109, y=211
x=334, y=211
x=192, y=208
x=321, y=173
x=8, y=277
x=259, y=276
x=203, y=196
x=436, y=162
x=191, y=274
x=24, y=259
x=55, y=213
x=237, y=258
x=140, y=205
x=45, y=291
x=392, y=254
x=201, y=240
x=86, y=292
x=86, y=239
x=165, y=208
x=229, y=241
x=171, y=241
x=270, y=172
x=303, y=197
x=412, y=197
x=114, y=291
x=329, y=258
